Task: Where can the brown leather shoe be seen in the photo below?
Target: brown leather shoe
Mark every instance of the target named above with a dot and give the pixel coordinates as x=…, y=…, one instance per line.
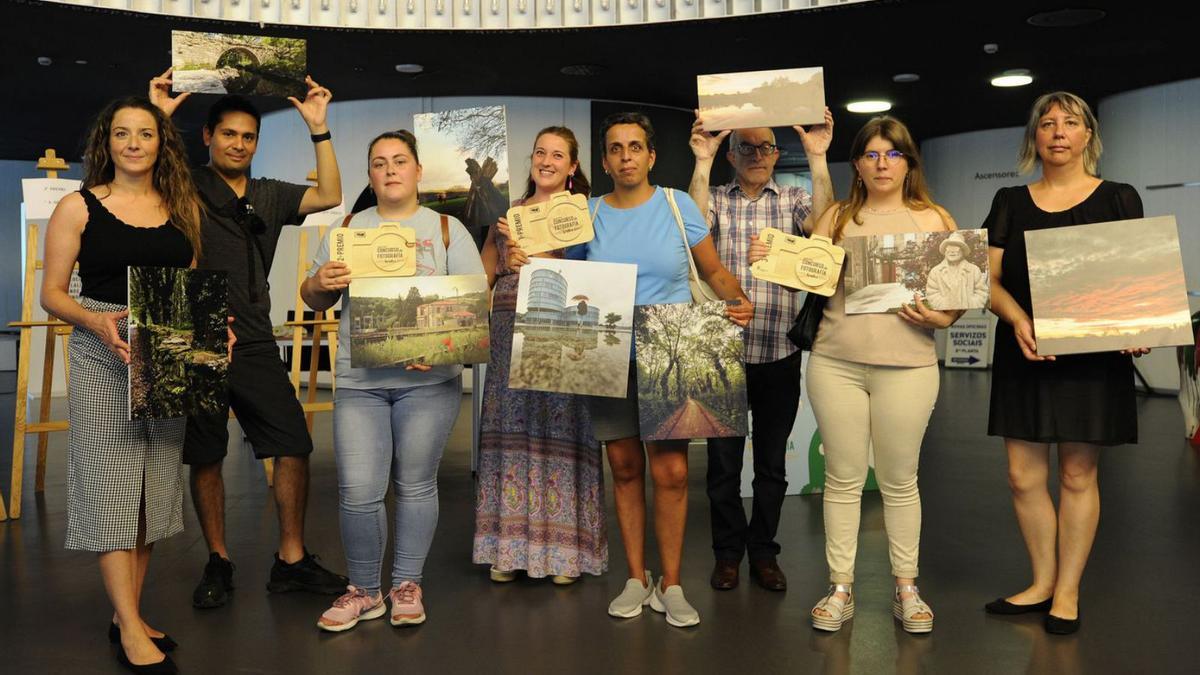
x=725, y=575
x=768, y=575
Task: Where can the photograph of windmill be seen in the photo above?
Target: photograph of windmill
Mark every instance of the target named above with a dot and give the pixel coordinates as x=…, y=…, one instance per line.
x=573, y=329
x=763, y=98
x=179, y=358
x=1108, y=286
x=465, y=165
x=690, y=377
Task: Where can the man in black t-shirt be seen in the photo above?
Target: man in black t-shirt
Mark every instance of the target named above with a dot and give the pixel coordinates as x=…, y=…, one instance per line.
x=241, y=226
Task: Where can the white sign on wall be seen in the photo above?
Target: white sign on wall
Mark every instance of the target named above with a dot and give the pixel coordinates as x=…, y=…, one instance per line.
x=967, y=341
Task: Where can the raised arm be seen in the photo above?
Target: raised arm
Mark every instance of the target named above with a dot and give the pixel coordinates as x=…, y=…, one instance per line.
x=160, y=93
x=327, y=193
x=704, y=146
x=816, y=142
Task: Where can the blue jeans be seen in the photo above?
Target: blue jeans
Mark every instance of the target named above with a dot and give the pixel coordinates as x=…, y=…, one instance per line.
x=397, y=433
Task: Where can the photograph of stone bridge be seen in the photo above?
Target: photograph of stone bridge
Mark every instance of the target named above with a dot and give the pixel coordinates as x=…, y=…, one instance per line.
x=218, y=63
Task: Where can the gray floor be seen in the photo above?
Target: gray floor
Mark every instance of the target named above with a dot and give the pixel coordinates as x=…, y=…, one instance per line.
x=1138, y=603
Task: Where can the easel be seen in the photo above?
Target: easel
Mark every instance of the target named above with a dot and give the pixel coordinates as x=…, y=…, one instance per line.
x=320, y=326
x=51, y=164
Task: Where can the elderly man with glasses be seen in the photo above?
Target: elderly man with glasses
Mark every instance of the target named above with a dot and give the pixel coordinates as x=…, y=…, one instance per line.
x=737, y=213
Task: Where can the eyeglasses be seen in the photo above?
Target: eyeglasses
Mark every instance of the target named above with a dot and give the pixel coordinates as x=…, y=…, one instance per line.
x=892, y=156
x=747, y=150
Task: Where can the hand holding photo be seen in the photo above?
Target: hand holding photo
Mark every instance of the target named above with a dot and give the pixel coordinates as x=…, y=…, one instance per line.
x=764, y=98
x=948, y=269
x=1108, y=287
x=178, y=342
x=690, y=376
x=219, y=63
x=423, y=321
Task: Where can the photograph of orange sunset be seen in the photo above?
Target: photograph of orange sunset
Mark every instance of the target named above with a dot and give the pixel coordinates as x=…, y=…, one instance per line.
x=1108, y=286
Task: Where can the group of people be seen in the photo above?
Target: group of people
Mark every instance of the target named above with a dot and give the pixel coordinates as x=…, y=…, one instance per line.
x=540, y=505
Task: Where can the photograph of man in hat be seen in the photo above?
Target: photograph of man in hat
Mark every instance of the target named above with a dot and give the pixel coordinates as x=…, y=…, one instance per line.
x=956, y=282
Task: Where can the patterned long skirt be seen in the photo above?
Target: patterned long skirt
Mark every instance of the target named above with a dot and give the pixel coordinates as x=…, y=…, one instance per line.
x=539, y=503
x=112, y=463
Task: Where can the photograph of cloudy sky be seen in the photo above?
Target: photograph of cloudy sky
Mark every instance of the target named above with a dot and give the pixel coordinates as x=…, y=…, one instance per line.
x=1108, y=286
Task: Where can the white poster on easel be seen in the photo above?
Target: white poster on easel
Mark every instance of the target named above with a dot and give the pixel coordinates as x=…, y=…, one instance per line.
x=41, y=196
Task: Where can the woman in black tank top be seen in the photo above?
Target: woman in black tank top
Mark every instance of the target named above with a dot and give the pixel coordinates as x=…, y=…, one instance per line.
x=124, y=478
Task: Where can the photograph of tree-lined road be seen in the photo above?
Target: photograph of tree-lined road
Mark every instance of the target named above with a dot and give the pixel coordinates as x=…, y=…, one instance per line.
x=690, y=377
x=178, y=342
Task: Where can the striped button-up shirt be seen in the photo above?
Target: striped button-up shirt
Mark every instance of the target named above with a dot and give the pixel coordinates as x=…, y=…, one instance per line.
x=733, y=217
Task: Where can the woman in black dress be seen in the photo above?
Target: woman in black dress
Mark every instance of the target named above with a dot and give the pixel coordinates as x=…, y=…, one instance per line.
x=1080, y=402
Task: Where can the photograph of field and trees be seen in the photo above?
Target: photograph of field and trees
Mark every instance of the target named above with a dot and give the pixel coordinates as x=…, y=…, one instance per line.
x=690, y=377
x=464, y=162
x=431, y=320
x=178, y=342
x=573, y=328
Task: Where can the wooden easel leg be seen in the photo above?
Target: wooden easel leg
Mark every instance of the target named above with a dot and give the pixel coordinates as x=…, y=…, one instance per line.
x=314, y=362
x=269, y=467
x=39, y=483
x=19, y=421
x=3, y=511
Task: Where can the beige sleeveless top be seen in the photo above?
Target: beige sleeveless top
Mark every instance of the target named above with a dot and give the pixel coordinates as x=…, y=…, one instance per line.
x=874, y=339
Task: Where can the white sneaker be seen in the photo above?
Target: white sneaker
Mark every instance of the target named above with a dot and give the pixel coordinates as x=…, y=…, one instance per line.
x=671, y=602
x=631, y=600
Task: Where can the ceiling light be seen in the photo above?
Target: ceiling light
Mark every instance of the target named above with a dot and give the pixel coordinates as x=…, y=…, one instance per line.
x=1012, y=78
x=873, y=106
x=410, y=68
x=1066, y=18
x=44, y=60
x=81, y=62
x=905, y=77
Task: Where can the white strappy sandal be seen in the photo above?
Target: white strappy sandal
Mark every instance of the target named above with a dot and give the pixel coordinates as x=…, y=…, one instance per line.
x=840, y=611
x=905, y=609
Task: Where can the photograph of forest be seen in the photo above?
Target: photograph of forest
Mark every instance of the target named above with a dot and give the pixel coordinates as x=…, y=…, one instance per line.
x=178, y=340
x=433, y=320
x=690, y=377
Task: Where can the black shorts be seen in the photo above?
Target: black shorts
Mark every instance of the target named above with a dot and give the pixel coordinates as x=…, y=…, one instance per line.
x=262, y=397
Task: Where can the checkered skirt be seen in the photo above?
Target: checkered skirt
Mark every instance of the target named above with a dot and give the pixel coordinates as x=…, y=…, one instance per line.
x=111, y=462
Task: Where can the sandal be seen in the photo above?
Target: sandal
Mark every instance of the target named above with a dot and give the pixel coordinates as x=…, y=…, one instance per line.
x=840, y=611
x=905, y=609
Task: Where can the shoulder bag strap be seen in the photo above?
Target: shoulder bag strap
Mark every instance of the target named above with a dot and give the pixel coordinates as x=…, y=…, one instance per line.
x=695, y=274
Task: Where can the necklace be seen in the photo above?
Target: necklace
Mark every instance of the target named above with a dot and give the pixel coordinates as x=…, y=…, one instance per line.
x=884, y=212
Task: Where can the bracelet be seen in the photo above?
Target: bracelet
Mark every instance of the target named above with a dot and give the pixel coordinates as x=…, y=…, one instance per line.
x=317, y=138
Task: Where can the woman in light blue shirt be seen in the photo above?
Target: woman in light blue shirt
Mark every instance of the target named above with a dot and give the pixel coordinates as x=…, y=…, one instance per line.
x=390, y=422
x=636, y=224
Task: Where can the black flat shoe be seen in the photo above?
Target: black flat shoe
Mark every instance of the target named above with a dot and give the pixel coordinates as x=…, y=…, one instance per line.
x=1057, y=626
x=164, y=667
x=164, y=643
x=1002, y=606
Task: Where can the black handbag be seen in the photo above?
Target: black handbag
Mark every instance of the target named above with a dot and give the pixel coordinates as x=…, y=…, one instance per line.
x=803, y=332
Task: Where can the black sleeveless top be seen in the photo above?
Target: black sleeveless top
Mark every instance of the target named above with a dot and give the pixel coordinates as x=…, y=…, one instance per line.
x=109, y=246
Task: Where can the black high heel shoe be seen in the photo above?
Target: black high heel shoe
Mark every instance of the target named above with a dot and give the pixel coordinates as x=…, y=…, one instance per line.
x=1002, y=606
x=1059, y=626
x=164, y=643
x=164, y=667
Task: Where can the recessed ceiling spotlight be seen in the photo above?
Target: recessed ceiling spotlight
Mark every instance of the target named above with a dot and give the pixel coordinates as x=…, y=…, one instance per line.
x=410, y=68
x=81, y=62
x=905, y=77
x=991, y=48
x=44, y=60
x=1018, y=77
x=872, y=106
x=1066, y=18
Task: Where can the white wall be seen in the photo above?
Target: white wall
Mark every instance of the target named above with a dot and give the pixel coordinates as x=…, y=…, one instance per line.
x=1150, y=138
x=286, y=153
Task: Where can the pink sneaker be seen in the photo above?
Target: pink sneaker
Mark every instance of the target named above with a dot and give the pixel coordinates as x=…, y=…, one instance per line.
x=353, y=606
x=407, y=609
